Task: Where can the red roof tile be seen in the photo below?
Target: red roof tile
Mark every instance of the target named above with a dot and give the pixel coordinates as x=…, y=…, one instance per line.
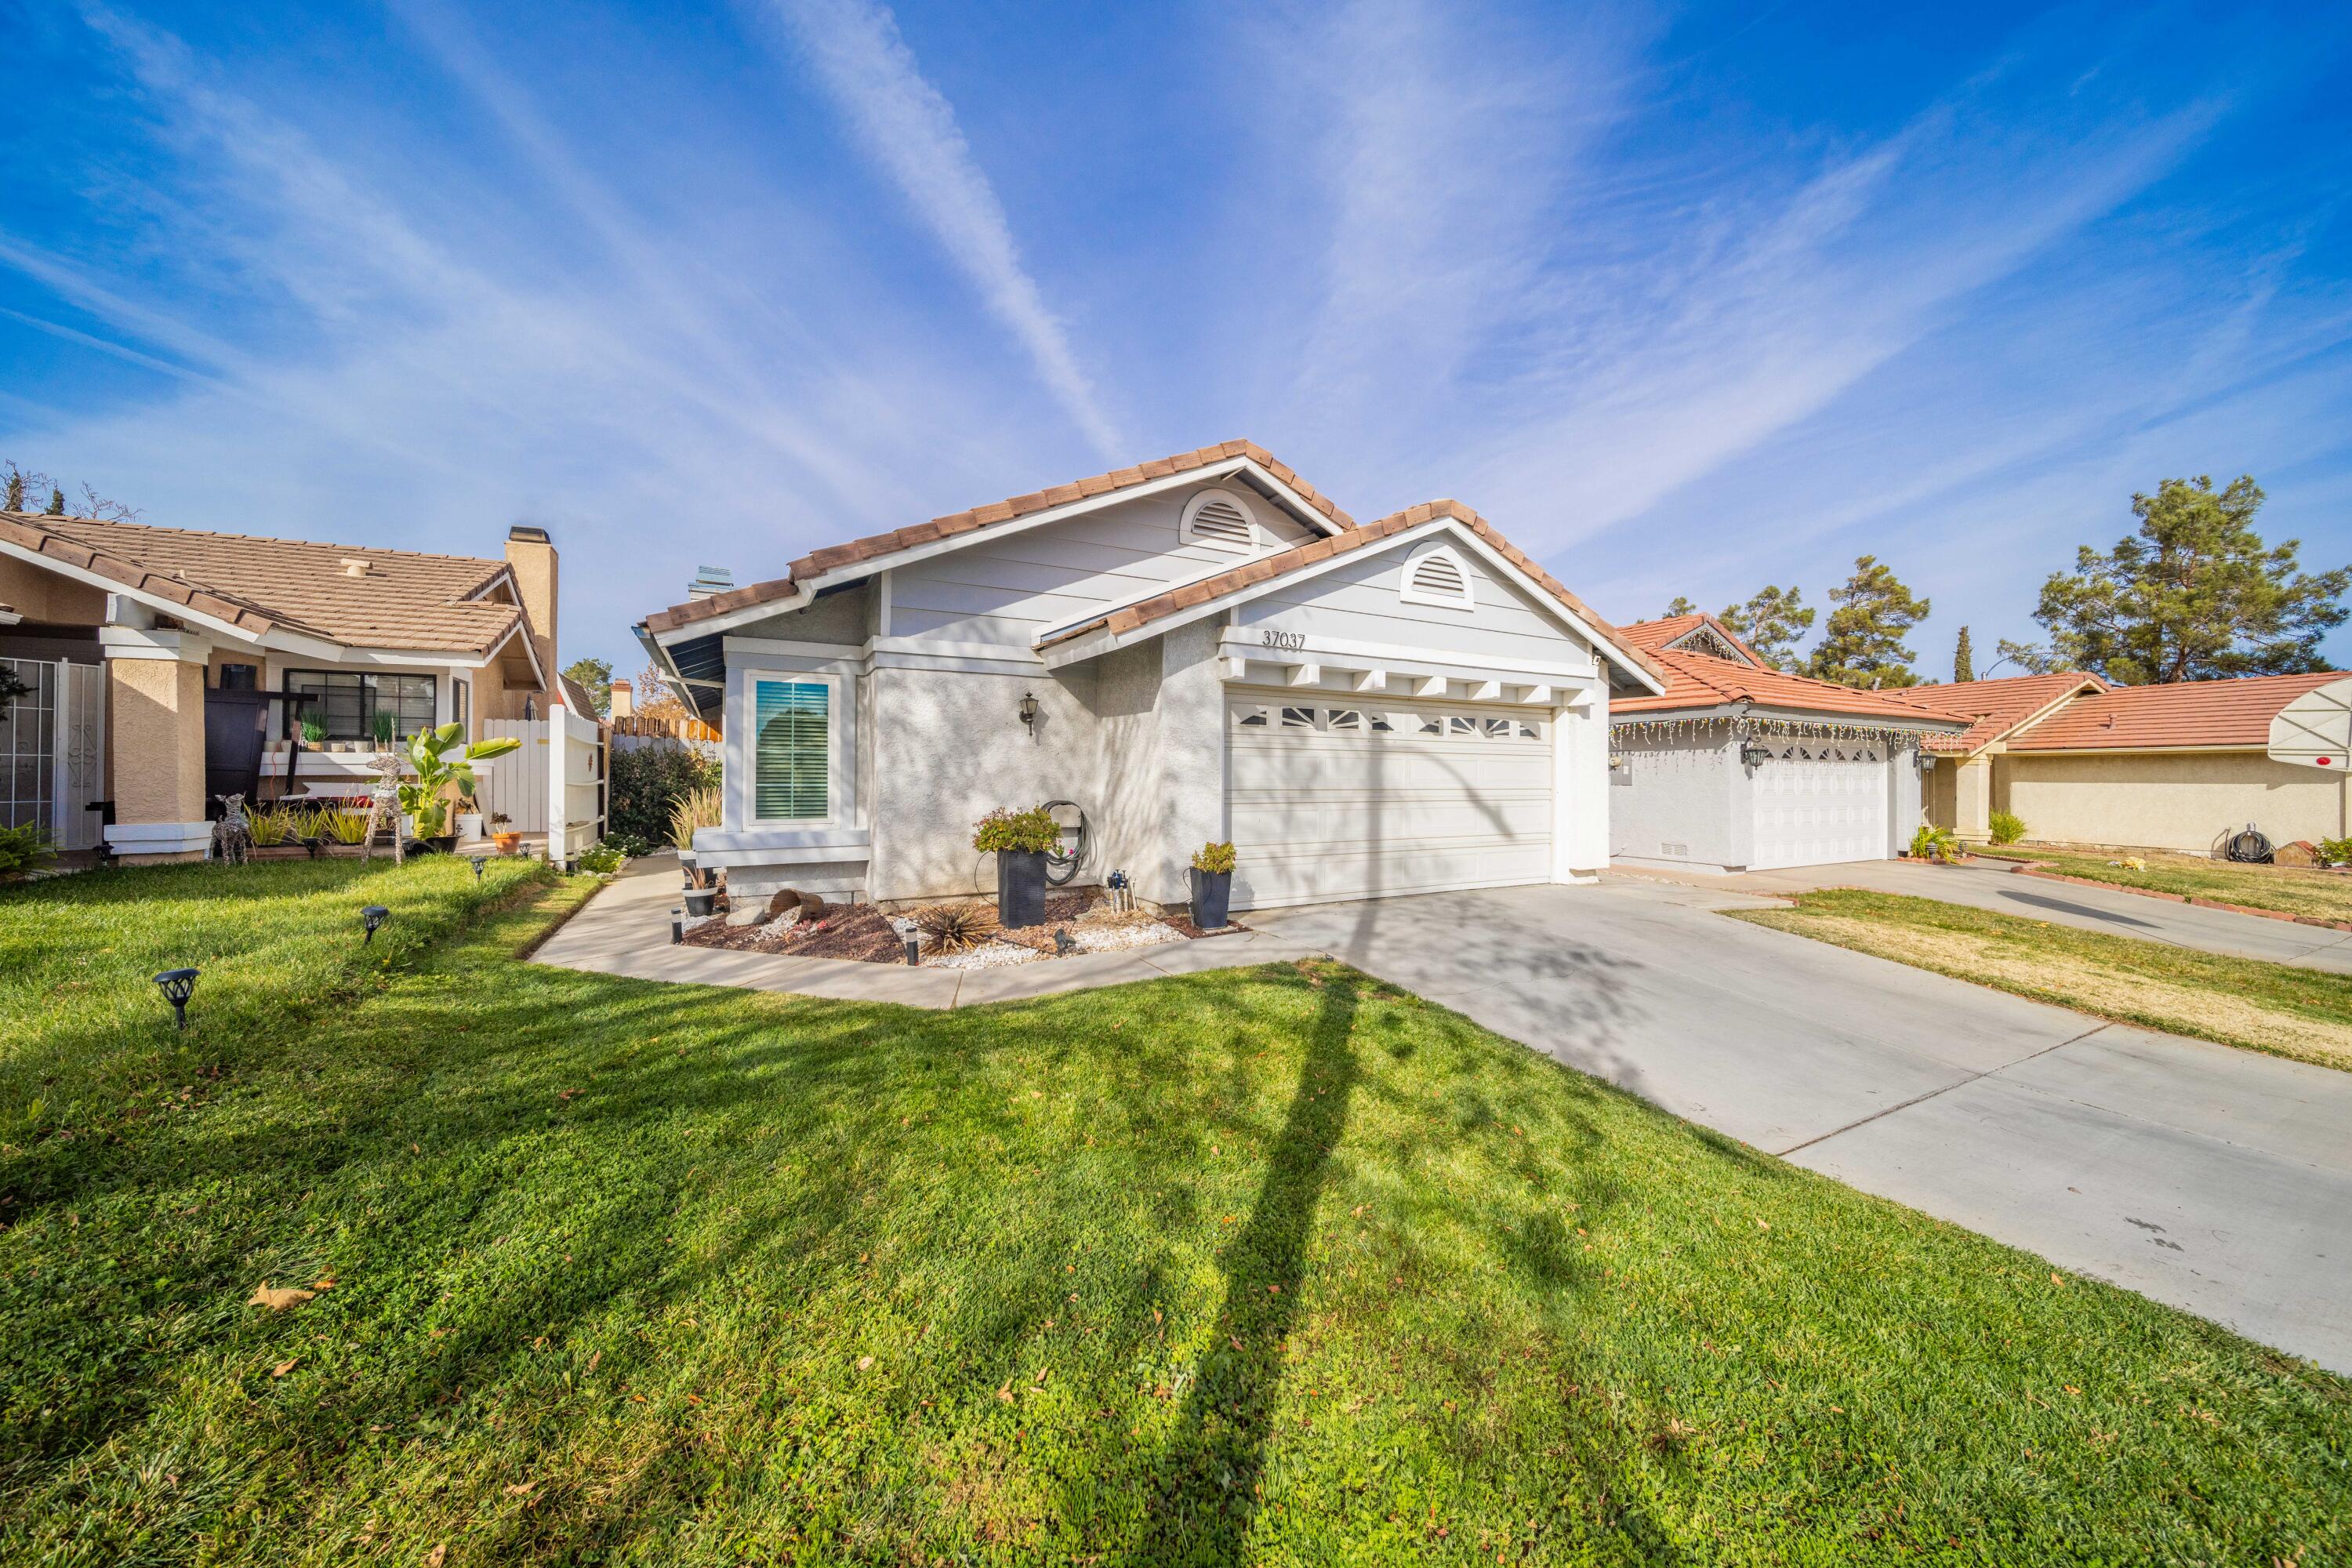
x=2231, y=713
x=1996, y=707
x=1703, y=680
x=834, y=557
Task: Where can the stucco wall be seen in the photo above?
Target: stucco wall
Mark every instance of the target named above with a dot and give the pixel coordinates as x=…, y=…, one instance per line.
x=1681, y=803
x=39, y=595
x=2177, y=801
x=155, y=719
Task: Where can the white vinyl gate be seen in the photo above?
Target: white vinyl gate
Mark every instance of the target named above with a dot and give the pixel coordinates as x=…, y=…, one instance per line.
x=1820, y=802
x=1337, y=799
x=562, y=760
x=53, y=750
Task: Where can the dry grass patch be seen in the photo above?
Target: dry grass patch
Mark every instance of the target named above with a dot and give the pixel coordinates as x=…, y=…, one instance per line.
x=2272, y=1007
x=2290, y=890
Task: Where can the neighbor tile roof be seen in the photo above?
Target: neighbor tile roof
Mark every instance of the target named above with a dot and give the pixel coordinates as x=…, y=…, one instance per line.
x=2231, y=713
x=1995, y=707
x=1657, y=634
x=1703, y=680
x=1143, y=612
x=404, y=600
x=835, y=556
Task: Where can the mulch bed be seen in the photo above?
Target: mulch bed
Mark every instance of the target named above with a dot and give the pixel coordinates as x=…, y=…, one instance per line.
x=861, y=931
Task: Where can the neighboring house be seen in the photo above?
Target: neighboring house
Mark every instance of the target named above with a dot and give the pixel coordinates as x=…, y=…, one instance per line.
x=1738, y=766
x=135, y=640
x=2180, y=767
x=1195, y=649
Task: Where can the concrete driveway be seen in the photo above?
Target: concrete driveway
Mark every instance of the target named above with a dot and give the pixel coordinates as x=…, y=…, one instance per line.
x=2062, y=904
x=2213, y=1179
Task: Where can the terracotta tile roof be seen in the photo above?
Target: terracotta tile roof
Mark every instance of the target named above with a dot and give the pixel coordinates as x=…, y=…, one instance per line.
x=1143, y=612
x=1995, y=707
x=1702, y=680
x=2233, y=713
x=835, y=556
x=399, y=599
x=1657, y=634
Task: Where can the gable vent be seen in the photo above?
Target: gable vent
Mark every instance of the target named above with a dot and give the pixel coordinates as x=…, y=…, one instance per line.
x=1440, y=577
x=1221, y=523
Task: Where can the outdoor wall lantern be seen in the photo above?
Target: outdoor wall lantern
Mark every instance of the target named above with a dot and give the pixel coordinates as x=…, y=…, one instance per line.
x=1029, y=714
x=1754, y=753
x=178, y=986
x=374, y=916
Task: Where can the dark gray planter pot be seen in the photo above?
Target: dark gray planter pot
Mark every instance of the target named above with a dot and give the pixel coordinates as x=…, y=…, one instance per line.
x=1021, y=886
x=1212, y=896
x=701, y=902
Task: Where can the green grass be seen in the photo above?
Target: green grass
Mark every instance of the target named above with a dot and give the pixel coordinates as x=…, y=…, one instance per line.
x=2294, y=890
x=1280, y=1265
x=2305, y=1014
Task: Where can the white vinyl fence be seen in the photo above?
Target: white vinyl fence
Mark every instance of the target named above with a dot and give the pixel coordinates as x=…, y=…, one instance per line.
x=516, y=783
x=53, y=751
x=556, y=780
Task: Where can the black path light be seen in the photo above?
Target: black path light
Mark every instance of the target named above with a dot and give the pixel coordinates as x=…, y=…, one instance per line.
x=374, y=915
x=678, y=925
x=178, y=986
x=478, y=870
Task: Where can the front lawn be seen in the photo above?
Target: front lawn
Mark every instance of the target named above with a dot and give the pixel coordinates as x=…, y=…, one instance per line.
x=2305, y=1014
x=2290, y=890
x=1279, y=1266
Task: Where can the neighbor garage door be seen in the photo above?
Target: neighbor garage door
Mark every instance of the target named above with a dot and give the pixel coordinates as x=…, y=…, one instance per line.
x=1820, y=801
x=1333, y=800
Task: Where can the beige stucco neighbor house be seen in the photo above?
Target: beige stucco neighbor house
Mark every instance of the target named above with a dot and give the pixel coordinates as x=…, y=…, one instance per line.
x=1201, y=648
x=126, y=637
x=2155, y=767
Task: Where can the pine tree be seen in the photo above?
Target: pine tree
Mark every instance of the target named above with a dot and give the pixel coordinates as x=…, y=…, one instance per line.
x=1964, y=662
x=1863, y=644
x=57, y=501
x=15, y=501
x=2194, y=594
x=1681, y=606
x=1771, y=623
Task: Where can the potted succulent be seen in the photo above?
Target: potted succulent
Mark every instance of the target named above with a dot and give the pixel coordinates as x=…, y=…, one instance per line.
x=503, y=833
x=1019, y=840
x=442, y=760
x=1213, y=886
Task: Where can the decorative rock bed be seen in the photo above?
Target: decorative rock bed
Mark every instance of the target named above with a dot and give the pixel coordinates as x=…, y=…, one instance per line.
x=864, y=934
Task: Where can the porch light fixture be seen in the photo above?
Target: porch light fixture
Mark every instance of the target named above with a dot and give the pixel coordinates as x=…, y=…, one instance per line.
x=1029, y=714
x=374, y=916
x=178, y=986
x=1754, y=753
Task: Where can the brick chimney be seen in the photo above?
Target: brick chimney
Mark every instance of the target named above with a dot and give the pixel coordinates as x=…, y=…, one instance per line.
x=531, y=555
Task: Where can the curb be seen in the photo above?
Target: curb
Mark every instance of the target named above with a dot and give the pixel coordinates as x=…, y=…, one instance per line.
x=2042, y=868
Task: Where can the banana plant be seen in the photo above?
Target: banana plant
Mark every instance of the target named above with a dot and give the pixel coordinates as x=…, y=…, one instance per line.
x=440, y=758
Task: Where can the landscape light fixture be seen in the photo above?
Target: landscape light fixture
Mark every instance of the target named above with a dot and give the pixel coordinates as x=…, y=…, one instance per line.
x=478, y=870
x=178, y=986
x=678, y=925
x=374, y=916
x=914, y=951
x=1029, y=714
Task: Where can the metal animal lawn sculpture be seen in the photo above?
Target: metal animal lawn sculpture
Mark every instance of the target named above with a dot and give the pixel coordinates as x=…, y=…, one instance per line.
x=384, y=808
x=232, y=835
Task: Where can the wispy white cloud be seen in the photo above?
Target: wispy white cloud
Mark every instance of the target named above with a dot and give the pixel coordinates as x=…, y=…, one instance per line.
x=906, y=125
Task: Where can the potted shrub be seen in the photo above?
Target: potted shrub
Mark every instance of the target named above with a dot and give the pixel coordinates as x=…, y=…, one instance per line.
x=442, y=760
x=1019, y=840
x=1213, y=886
x=503, y=833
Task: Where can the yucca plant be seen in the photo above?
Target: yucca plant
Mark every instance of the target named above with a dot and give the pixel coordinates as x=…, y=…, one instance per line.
x=957, y=927
x=271, y=826
x=343, y=826
x=695, y=809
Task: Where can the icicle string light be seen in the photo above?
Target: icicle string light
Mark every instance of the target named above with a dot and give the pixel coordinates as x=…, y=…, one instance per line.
x=1623, y=729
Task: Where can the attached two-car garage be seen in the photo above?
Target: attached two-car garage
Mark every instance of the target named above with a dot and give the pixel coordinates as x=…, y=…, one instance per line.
x=1335, y=798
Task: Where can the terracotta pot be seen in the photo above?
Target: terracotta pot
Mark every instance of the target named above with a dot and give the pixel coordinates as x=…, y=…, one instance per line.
x=507, y=842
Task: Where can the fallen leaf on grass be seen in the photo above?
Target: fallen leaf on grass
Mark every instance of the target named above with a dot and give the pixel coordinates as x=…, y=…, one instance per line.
x=522, y=1489
x=2055, y=1279
x=323, y=1282
x=864, y=1362
x=277, y=1300
x=283, y=1367
x=565, y=1093
x=438, y=1555
x=1005, y=1393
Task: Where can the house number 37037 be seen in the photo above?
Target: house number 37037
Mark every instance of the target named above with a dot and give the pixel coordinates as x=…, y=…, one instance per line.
x=1289, y=642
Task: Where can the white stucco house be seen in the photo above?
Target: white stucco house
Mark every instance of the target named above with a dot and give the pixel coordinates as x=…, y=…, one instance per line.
x=1736, y=766
x=1195, y=649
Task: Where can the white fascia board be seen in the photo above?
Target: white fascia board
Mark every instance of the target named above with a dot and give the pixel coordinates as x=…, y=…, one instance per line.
x=667, y=668
x=1346, y=653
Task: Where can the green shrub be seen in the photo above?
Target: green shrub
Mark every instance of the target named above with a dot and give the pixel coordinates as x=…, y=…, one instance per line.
x=648, y=783
x=1005, y=830
x=696, y=808
x=1213, y=858
x=1934, y=844
x=2008, y=828
x=603, y=859
x=2336, y=851
x=23, y=850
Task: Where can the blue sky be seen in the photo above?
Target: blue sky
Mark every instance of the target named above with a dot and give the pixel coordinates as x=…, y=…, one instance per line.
x=1685, y=300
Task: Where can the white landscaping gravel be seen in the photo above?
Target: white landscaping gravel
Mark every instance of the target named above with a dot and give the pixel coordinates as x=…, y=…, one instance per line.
x=996, y=954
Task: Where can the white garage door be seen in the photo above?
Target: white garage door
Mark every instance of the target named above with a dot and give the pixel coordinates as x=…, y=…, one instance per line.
x=1820, y=802
x=1337, y=799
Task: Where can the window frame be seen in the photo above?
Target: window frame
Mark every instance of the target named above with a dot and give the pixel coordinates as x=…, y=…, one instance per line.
x=752, y=681
x=368, y=689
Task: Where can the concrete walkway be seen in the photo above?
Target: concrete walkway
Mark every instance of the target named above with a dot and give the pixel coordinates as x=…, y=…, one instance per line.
x=2108, y=909
x=624, y=930
x=2216, y=1180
